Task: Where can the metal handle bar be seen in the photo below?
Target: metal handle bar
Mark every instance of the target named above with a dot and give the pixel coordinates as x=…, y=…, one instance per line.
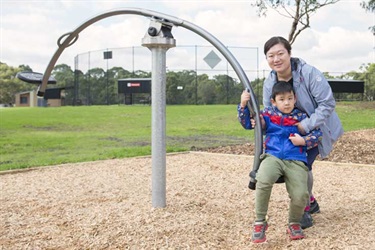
x=167, y=19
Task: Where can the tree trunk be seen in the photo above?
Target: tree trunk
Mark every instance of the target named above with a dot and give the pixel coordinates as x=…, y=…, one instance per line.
x=295, y=22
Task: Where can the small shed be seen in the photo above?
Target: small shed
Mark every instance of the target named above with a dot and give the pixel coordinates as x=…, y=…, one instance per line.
x=135, y=90
x=28, y=99
x=53, y=97
x=347, y=86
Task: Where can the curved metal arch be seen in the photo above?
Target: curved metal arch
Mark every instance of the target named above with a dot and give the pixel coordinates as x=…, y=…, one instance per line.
x=73, y=36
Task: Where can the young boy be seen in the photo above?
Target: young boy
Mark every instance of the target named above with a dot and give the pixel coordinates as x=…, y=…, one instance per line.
x=284, y=155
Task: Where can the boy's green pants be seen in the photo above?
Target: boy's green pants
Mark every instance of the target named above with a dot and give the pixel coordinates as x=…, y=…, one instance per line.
x=295, y=175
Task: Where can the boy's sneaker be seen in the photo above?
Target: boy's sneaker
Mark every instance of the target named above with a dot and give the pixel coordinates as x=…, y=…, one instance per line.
x=314, y=207
x=295, y=231
x=259, y=232
x=307, y=220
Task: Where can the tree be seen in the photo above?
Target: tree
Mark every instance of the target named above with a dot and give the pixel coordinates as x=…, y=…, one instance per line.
x=257, y=85
x=25, y=68
x=64, y=75
x=299, y=11
x=206, y=90
x=370, y=6
x=120, y=73
x=227, y=89
x=10, y=84
x=185, y=79
x=97, y=86
x=176, y=88
x=366, y=74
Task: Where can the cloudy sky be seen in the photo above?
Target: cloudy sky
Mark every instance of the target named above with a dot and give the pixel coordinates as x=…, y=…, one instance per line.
x=338, y=41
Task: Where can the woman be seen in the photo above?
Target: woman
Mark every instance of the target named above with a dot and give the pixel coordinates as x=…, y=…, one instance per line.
x=314, y=97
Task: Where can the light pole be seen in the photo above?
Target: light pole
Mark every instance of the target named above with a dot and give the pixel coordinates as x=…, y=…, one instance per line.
x=107, y=55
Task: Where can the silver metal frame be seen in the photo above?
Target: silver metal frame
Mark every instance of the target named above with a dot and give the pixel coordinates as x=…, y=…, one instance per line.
x=68, y=39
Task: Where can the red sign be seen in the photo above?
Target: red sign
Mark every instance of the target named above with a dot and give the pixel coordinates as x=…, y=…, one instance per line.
x=134, y=84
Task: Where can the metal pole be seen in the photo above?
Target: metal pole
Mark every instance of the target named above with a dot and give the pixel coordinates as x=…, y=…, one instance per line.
x=76, y=81
x=158, y=39
x=88, y=82
x=196, y=76
x=133, y=75
x=106, y=85
x=227, y=85
x=158, y=151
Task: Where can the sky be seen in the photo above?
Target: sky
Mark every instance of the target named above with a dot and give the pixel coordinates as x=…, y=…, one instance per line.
x=338, y=41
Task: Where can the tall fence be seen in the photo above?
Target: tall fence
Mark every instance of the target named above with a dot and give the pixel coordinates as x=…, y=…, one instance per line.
x=190, y=68
x=195, y=75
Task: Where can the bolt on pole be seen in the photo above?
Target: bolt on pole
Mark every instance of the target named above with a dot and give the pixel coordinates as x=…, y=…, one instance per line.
x=158, y=39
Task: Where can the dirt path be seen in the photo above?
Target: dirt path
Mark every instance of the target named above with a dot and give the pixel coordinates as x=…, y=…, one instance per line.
x=107, y=205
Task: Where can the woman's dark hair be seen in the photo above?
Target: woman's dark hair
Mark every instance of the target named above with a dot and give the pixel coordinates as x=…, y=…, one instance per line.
x=276, y=40
x=280, y=88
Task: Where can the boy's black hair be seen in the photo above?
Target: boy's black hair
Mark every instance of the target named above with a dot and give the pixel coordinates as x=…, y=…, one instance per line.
x=281, y=87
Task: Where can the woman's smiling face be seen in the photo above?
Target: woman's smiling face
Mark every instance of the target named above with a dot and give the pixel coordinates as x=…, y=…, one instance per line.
x=278, y=58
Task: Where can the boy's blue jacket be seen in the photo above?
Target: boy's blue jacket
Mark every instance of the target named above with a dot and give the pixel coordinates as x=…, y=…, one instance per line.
x=279, y=128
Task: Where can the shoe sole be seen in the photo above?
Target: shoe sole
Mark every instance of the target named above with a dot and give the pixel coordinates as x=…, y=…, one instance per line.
x=259, y=241
x=298, y=237
x=304, y=227
x=314, y=212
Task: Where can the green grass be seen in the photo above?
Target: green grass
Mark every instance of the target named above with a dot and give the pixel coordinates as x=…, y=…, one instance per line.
x=32, y=137
x=357, y=115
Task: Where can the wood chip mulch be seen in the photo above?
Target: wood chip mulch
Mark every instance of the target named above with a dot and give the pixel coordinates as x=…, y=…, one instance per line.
x=352, y=147
x=108, y=204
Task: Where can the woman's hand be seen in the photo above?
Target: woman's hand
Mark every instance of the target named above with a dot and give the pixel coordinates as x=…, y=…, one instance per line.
x=301, y=130
x=297, y=140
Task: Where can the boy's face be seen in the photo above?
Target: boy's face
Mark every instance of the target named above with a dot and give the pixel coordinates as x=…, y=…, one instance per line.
x=284, y=102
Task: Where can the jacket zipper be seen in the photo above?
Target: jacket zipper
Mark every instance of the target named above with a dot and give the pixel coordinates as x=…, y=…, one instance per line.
x=282, y=125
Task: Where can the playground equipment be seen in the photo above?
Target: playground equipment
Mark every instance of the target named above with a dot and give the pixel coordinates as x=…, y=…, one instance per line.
x=34, y=77
x=159, y=39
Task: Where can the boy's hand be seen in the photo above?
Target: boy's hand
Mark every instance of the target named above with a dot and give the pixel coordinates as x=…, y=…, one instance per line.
x=245, y=97
x=263, y=123
x=297, y=140
x=252, y=120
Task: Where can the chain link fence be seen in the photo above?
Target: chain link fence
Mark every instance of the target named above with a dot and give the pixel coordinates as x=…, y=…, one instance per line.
x=195, y=75
x=189, y=70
